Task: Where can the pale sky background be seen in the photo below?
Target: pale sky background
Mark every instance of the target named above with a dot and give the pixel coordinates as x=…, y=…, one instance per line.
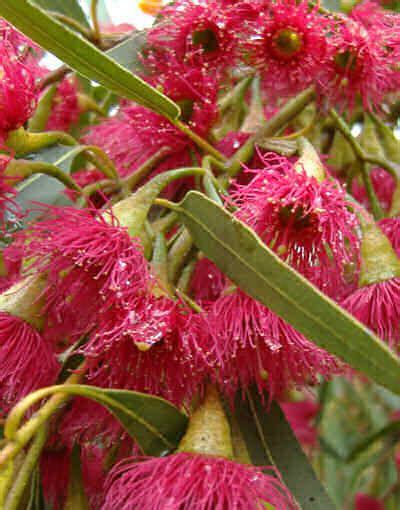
x=120, y=11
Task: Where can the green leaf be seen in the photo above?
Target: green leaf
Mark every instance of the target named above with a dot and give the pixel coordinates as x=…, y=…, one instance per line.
x=270, y=440
x=155, y=424
x=83, y=57
x=76, y=497
x=70, y=8
x=243, y=257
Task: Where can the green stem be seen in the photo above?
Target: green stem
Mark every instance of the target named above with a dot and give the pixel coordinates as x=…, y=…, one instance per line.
x=288, y=112
x=95, y=21
x=20, y=483
x=373, y=199
x=72, y=23
x=198, y=140
x=178, y=254
x=382, y=162
x=163, y=224
x=24, y=142
x=140, y=173
x=20, y=437
x=236, y=94
x=24, y=168
x=102, y=161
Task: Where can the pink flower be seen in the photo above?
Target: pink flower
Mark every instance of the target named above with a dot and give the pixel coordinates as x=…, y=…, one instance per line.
x=391, y=227
x=136, y=134
x=158, y=346
x=54, y=475
x=193, y=88
x=90, y=265
x=207, y=282
x=12, y=260
x=363, y=64
x=93, y=459
x=384, y=185
x=18, y=92
x=186, y=481
x=287, y=43
x=311, y=225
x=365, y=502
x=198, y=33
x=301, y=415
x=65, y=109
x=27, y=361
x=253, y=345
x=377, y=306
x=25, y=48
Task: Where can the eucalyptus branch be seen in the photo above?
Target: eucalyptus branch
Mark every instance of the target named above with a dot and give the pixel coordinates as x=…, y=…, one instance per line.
x=287, y=113
x=72, y=23
x=24, y=168
x=178, y=254
x=198, y=140
x=361, y=154
x=100, y=159
x=19, y=437
x=365, y=158
x=95, y=21
x=25, y=471
x=140, y=173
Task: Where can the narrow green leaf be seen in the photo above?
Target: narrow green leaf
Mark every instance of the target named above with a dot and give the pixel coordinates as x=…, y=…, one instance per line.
x=70, y=8
x=243, y=257
x=155, y=424
x=83, y=56
x=270, y=440
x=76, y=497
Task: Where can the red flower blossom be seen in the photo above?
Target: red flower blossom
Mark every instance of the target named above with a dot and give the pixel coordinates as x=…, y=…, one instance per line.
x=287, y=43
x=54, y=474
x=363, y=64
x=27, y=361
x=25, y=48
x=199, y=33
x=253, y=345
x=377, y=306
x=365, y=502
x=65, y=108
x=186, y=481
x=207, y=282
x=384, y=185
x=193, y=88
x=18, y=93
x=136, y=134
x=93, y=459
x=300, y=415
x=159, y=347
x=310, y=224
x=90, y=264
x=391, y=228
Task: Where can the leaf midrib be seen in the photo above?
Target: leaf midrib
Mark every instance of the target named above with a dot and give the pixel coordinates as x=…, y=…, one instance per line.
x=285, y=296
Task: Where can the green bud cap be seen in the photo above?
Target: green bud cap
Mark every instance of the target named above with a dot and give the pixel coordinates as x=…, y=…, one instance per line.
x=208, y=432
x=379, y=261
x=23, y=300
x=309, y=160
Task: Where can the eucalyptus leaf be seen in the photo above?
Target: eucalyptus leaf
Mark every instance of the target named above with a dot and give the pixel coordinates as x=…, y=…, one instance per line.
x=69, y=8
x=127, y=53
x=155, y=424
x=244, y=258
x=270, y=440
x=83, y=56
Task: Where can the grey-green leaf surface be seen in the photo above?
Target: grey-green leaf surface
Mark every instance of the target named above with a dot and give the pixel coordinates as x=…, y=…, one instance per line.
x=243, y=257
x=69, y=8
x=42, y=188
x=270, y=441
x=155, y=424
x=83, y=56
x=127, y=53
